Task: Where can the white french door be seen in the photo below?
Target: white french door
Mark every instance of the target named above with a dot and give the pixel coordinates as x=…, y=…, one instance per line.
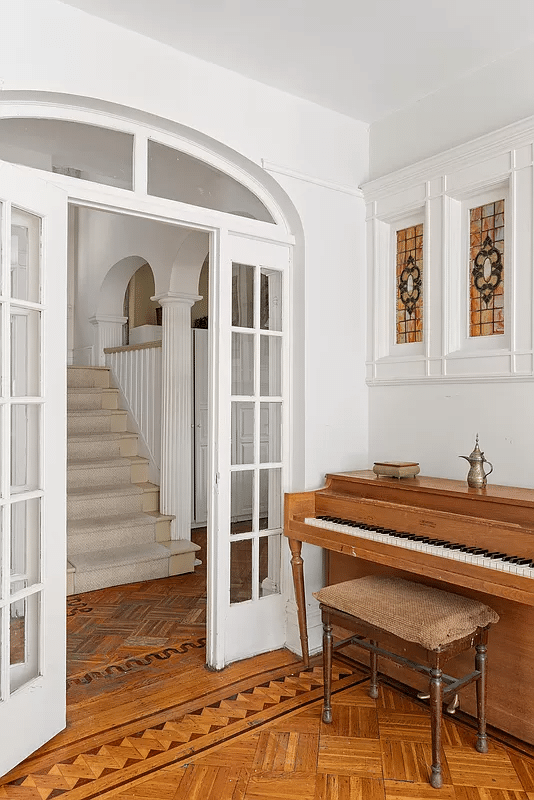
x=33, y=247
x=248, y=449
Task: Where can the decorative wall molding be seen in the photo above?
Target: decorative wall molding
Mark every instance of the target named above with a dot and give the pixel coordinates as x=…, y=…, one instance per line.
x=269, y=166
x=442, y=190
x=511, y=137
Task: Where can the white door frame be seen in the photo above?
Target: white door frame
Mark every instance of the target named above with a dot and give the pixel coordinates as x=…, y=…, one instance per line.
x=139, y=203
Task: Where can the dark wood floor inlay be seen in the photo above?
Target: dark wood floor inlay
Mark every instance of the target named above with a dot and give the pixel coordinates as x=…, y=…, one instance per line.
x=132, y=663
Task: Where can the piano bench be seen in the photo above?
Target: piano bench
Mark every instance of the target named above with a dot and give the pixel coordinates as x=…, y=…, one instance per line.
x=442, y=623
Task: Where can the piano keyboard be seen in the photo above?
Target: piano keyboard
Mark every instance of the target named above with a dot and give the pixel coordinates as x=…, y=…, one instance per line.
x=515, y=565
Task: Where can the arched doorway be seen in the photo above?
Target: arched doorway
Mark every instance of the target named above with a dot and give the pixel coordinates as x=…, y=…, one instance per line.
x=249, y=337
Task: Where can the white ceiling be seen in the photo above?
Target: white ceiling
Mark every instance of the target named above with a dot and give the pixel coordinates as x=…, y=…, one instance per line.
x=364, y=58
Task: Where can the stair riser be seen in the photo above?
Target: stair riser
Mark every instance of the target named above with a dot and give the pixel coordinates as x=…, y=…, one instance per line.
x=101, y=448
x=105, y=506
x=105, y=423
x=106, y=476
x=117, y=576
x=104, y=539
x=78, y=401
x=82, y=377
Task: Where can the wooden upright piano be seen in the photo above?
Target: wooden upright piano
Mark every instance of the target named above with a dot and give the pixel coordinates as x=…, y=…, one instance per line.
x=476, y=542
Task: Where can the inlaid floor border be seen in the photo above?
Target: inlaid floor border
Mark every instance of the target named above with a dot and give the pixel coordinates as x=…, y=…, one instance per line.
x=93, y=770
x=134, y=662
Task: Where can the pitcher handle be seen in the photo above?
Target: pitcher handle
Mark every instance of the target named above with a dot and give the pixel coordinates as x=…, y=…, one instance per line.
x=491, y=465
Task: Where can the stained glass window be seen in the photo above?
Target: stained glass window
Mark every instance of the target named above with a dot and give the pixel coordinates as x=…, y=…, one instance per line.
x=486, y=267
x=409, y=273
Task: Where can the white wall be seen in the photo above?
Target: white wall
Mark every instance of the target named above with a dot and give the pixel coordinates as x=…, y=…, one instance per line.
x=482, y=101
x=436, y=424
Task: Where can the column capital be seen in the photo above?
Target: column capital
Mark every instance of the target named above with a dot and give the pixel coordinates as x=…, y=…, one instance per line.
x=98, y=318
x=176, y=299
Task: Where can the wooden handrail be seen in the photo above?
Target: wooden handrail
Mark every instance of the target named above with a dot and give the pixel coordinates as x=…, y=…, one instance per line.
x=126, y=347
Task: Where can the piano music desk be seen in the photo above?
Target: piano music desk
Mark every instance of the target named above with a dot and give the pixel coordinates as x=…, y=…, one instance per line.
x=497, y=518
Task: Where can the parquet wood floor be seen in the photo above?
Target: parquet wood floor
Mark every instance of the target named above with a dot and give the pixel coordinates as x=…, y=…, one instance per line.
x=148, y=721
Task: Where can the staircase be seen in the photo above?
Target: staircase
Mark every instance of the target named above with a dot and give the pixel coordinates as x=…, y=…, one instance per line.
x=115, y=533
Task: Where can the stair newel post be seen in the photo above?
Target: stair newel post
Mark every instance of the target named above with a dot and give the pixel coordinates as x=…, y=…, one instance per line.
x=176, y=411
x=108, y=332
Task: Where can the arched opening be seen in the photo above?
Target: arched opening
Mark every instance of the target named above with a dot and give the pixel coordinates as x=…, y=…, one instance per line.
x=143, y=314
x=116, y=231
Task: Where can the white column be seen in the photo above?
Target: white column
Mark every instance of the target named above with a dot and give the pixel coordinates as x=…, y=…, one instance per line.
x=176, y=411
x=108, y=333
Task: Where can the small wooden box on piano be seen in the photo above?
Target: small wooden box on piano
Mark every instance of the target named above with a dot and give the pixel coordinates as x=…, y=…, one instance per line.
x=478, y=542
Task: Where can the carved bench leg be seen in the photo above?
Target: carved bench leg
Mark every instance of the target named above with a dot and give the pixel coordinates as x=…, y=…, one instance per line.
x=373, y=688
x=436, y=779
x=480, y=665
x=327, y=666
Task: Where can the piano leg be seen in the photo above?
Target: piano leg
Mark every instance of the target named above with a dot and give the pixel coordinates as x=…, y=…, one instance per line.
x=297, y=566
x=436, y=684
x=327, y=667
x=373, y=688
x=480, y=664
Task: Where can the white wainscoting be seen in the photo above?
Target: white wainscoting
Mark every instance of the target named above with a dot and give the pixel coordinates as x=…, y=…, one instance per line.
x=136, y=370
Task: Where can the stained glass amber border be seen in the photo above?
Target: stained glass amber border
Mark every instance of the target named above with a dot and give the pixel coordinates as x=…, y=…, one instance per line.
x=409, y=284
x=486, y=269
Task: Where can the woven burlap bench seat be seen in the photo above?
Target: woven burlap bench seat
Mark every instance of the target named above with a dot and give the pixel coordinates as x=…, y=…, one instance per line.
x=442, y=623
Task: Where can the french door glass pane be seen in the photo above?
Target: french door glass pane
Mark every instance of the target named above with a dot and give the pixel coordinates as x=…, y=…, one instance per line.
x=242, y=433
x=25, y=352
x=242, y=364
x=241, y=570
x=242, y=501
x=270, y=432
x=25, y=422
x=269, y=564
x=24, y=640
x=25, y=544
x=271, y=300
x=270, y=498
x=25, y=256
x=270, y=366
x=242, y=296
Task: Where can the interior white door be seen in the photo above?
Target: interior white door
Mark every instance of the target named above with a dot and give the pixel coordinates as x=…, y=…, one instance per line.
x=248, y=453
x=33, y=247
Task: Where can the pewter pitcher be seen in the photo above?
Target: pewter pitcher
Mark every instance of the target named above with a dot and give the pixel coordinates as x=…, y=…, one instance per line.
x=476, y=477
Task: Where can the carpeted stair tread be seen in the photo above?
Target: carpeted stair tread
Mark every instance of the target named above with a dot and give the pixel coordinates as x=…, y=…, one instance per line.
x=96, y=412
x=119, y=556
x=78, y=492
x=117, y=520
x=109, y=436
x=118, y=461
